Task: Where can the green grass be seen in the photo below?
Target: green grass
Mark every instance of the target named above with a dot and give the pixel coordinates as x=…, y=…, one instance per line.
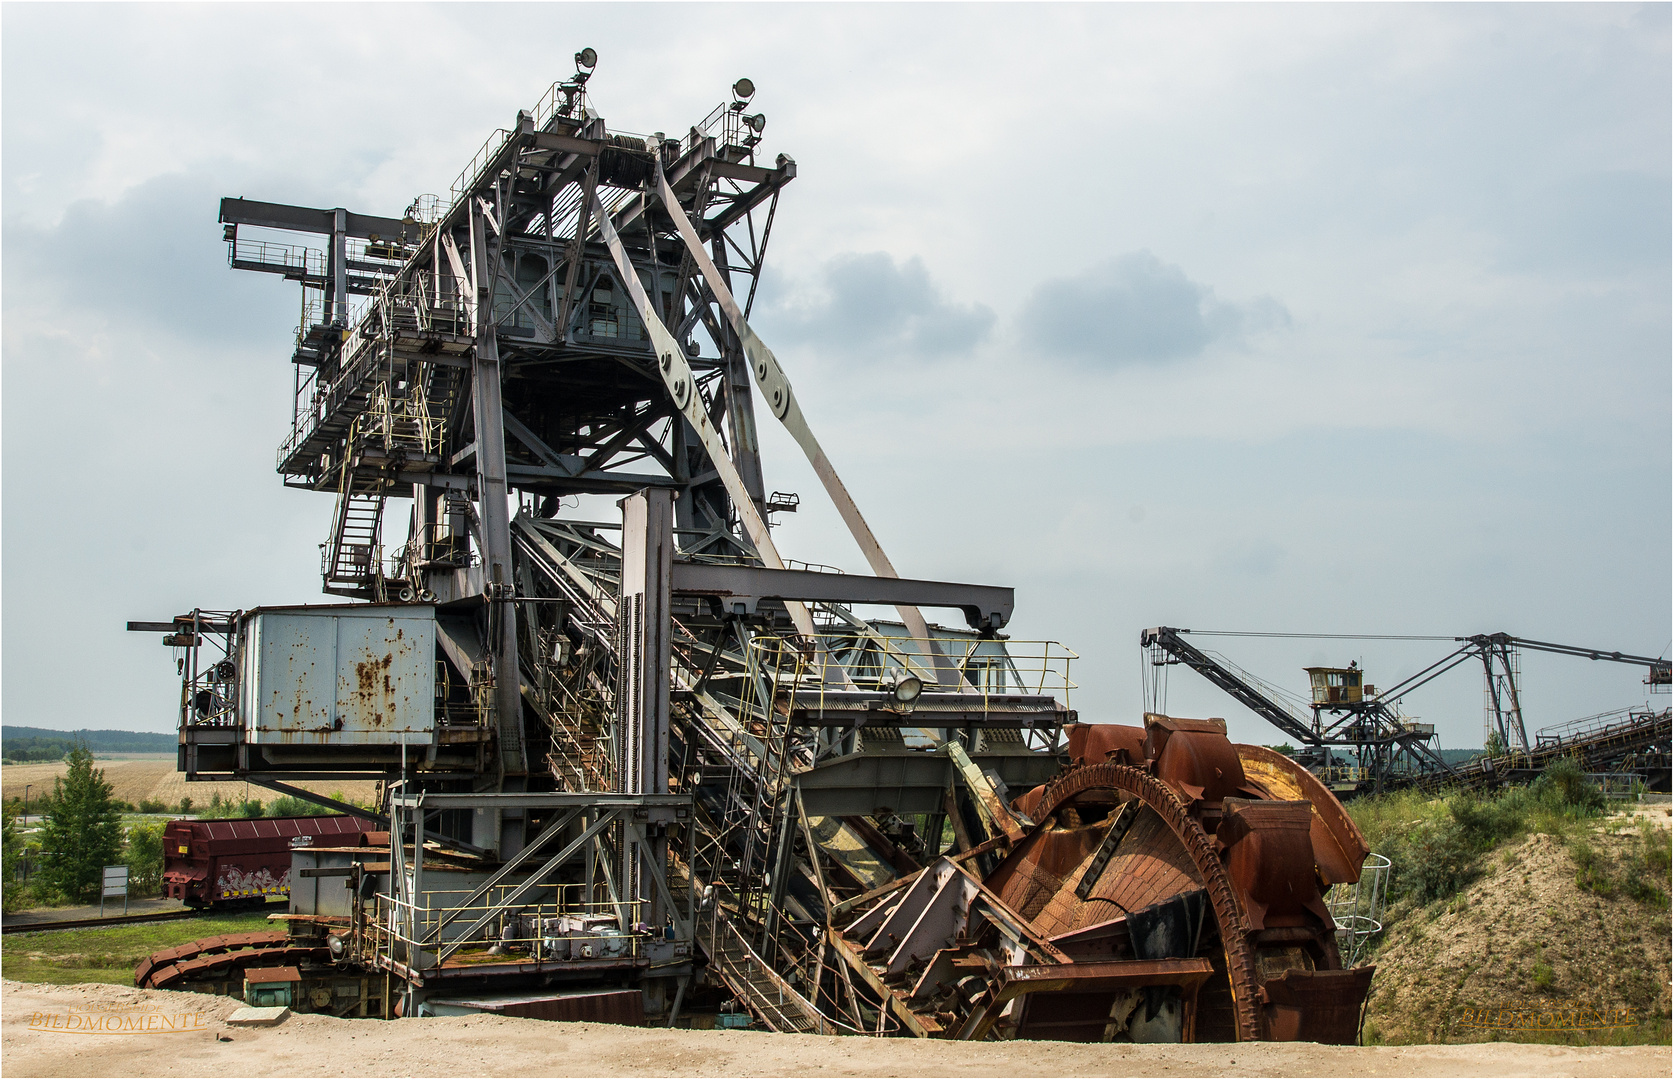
x=109, y=954
x=1437, y=843
x=1640, y=873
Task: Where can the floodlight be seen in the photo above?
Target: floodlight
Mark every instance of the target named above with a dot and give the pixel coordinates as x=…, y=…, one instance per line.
x=743, y=89
x=586, y=58
x=902, y=686
x=755, y=122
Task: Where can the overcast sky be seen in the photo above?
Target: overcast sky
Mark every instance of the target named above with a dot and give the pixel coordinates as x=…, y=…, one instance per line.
x=1324, y=319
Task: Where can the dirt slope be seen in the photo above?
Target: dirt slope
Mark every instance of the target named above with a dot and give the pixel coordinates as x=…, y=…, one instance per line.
x=497, y=1046
x=1523, y=935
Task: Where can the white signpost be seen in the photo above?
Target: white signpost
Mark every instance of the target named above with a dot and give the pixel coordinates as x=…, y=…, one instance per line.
x=116, y=884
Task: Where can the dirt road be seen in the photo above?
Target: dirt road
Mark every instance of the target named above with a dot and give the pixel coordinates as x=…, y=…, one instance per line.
x=497, y=1046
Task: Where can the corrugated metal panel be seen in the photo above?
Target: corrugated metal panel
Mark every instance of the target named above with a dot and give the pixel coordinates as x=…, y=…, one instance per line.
x=342, y=676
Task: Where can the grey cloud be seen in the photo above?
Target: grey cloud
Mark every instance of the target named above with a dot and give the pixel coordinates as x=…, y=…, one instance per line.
x=867, y=303
x=1137, y=308
x=153, y=257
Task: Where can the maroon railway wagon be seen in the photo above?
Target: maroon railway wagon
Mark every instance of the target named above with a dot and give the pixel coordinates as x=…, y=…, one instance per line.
x=242, y=861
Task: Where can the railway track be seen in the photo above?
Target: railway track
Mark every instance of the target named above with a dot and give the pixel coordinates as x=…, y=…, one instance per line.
x=108, y=920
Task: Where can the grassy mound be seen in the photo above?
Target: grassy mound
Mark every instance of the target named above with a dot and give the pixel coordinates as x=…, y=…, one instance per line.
x=1516, y=904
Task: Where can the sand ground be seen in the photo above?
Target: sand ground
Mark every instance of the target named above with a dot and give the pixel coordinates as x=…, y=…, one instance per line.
x=499, y=1046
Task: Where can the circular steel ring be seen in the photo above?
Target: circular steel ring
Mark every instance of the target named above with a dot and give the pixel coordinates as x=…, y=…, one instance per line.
x=1229, y=914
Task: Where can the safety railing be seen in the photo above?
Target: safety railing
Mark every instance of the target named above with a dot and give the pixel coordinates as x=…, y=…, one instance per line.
x=485, y=153
x=818, y=568
x=570, y=100
x=563, y=97
x=564, y=928
x=766, y=986
x=208, y=687
x=343, y=562
x=474, y=712
x=305, y=411
x=313, y=314
x=725, y=122
x=852, y=659
x=212, y=698
x=398, y=424
x=1590, y=727
x=384, y=250
x=439, y=545
x=426, y=209
x=1343, y=774
x=1617, y=785
x=245, y=253
x=354, y=368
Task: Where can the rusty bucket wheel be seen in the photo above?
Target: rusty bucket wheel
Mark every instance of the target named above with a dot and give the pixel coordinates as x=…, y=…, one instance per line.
x=1229, y=916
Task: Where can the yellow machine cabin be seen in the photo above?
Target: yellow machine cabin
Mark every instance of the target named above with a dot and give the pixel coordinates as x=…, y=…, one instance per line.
x=1339, y=686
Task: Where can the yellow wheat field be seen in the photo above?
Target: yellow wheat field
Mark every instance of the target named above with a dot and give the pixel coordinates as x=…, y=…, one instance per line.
x=155, y=778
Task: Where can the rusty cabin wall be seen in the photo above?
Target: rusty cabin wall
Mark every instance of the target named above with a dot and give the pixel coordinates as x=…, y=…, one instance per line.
x=350, y=675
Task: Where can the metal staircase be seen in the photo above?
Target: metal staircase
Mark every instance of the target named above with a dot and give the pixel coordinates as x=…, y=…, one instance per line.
x=761, y=989
x=353, y=556
x=574, y=695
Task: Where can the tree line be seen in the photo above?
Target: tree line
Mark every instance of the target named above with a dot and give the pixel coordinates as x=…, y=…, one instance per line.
x=21, y=744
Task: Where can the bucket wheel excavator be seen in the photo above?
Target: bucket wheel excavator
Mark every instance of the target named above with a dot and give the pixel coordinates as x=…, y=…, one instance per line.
x=1167, y=887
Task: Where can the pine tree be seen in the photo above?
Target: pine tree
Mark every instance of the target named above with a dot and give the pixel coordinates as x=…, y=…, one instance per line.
x=11, y=839
x=82, y=833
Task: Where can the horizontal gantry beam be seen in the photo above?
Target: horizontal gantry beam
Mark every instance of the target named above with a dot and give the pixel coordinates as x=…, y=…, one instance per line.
x=739, y=589
x=306, y=219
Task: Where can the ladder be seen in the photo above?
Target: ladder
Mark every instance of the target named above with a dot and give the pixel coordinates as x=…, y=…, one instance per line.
x=351, y=565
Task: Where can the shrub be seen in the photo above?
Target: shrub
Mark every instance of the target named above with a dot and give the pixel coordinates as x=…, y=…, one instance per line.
x=291, y=806
x=185, y=806
x=1564, y=784
x=144, y=853
x=233, y=808
x=11, y=862
x=1642, y=874
x=1436, y=845
x=1486, y=822
x=1434, y=861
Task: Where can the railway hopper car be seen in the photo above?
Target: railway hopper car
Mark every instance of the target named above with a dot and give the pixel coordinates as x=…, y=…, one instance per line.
x=237, y=862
